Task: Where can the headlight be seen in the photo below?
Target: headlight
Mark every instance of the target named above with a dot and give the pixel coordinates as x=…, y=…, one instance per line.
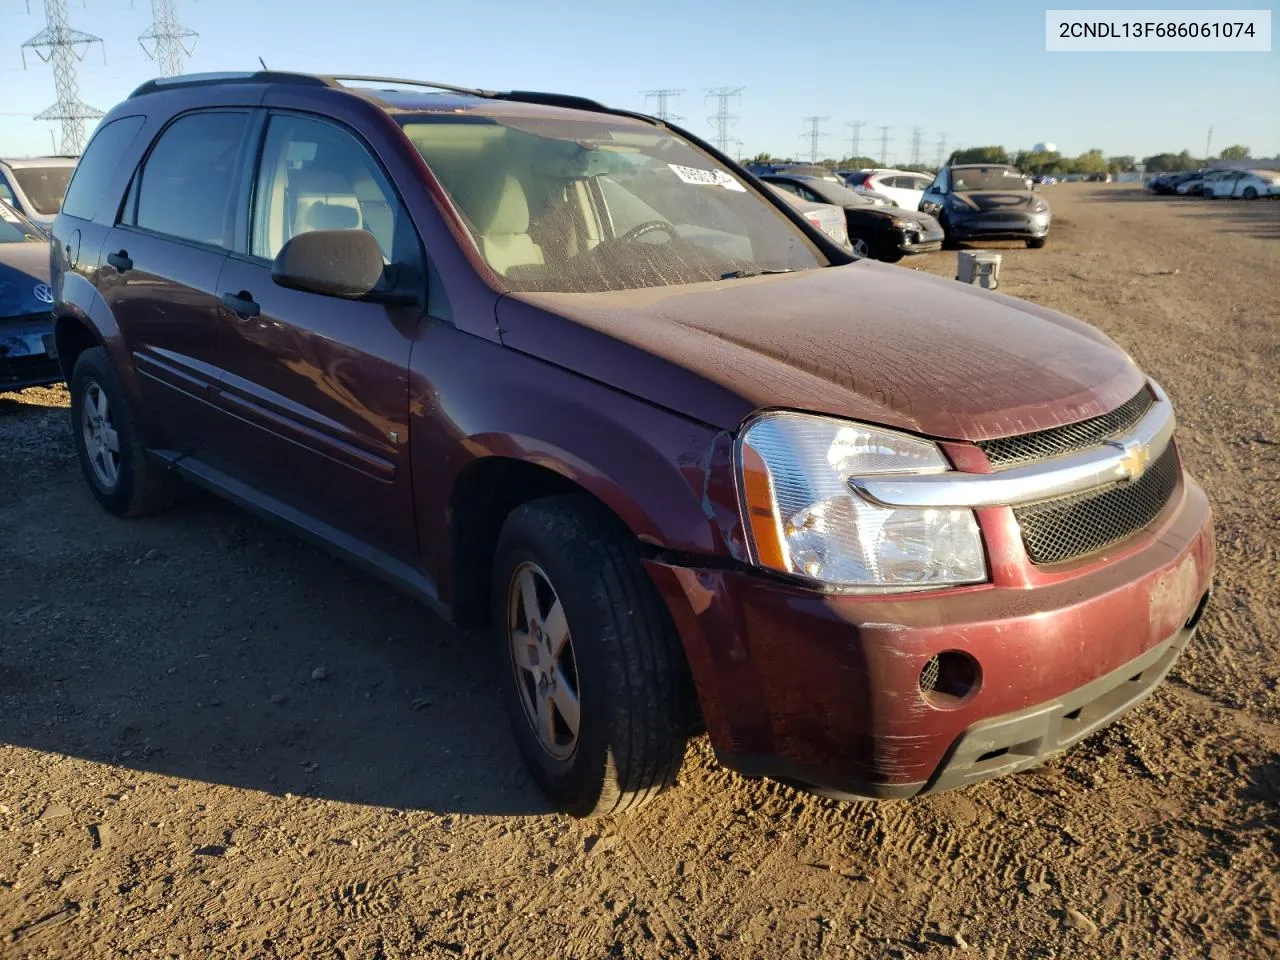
x=1039, y=207
x=898, y=223
x=804, y=519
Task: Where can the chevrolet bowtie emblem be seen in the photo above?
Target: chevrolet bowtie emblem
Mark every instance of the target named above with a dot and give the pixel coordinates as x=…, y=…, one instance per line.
x=1136, y=457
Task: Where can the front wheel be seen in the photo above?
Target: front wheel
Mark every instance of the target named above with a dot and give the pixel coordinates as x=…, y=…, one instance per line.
x=1035, y=243
x=1250, y=193
x=595, y=679
x=860, y=246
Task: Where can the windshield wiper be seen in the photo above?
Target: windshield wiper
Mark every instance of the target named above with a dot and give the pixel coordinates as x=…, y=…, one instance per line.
x=739, y=274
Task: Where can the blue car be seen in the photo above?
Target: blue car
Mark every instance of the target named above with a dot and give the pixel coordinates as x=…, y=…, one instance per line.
x=28, y=356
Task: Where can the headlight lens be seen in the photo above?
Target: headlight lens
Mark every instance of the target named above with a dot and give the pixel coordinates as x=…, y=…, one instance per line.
x=805, y=519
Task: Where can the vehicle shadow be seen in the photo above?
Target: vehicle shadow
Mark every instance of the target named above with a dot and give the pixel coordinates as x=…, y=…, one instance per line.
x=207, y=645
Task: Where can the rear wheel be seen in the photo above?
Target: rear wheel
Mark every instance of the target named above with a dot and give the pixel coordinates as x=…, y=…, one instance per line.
x=109, y=443
x=1035, y=243
x=1250, y=193
x=595, y=680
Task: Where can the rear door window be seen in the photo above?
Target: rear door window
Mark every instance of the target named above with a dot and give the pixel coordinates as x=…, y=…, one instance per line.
x=187, y=182
x=87, y=191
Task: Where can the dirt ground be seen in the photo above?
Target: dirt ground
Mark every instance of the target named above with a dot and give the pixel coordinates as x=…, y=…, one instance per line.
x=217, y=741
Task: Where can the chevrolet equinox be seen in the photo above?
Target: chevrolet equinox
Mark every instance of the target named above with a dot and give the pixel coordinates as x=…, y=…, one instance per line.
x=572, y=372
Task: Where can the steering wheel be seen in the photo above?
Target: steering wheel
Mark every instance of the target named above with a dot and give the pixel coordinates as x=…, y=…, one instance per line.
x=648, y=227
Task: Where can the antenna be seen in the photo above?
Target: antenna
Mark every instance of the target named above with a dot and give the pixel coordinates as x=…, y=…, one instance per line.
x=170, y=42
x=264, y=64
x=64, y=47
x=884, y=145
x=722, y=118
x=663, y=97
x=814, y=134
x=856, y=126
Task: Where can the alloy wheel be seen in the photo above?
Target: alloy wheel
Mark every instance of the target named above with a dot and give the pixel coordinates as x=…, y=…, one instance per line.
x=542, y=657
x=861, y=247
x=101, y=441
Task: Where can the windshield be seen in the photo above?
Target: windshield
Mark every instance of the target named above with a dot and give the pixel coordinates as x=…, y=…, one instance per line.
x=840, y=195
x=565, y=205
x=974, y=179
x=44, y=186
x=14, y=228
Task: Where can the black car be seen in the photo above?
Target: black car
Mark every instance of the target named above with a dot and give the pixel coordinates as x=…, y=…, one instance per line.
x=27, y=354
x=987, y=202
x=1167, y=183
x=885, y=233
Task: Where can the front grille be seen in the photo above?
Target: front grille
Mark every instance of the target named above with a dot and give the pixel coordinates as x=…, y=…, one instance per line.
x=1070, y=527
x=1060, y=440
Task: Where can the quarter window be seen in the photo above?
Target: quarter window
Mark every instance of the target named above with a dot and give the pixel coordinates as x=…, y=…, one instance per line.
x=188, y=181
x=101, y=159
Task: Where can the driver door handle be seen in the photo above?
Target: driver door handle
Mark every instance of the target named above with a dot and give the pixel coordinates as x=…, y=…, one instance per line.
x=120, y=261
x=242, y=304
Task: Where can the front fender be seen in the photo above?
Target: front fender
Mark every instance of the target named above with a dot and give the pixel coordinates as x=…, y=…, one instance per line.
x=668, y=478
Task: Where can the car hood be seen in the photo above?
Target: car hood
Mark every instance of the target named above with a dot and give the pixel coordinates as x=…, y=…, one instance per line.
x=864, y=340
x=23, y=267
x=984, y=201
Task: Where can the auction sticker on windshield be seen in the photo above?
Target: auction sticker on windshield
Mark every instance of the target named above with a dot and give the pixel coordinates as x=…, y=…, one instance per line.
x=706, y=178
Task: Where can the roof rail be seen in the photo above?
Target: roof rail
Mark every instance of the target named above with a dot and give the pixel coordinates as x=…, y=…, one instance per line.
x=553, y=100
x=246, y=76
x=338, y=78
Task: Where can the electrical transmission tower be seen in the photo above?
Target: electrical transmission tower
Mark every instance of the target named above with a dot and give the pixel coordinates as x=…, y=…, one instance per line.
x=813, y=135
x=722, y=119
x=663, y=97
x=856, y=126
x=167, y=41
x=884, y=145
x=64, y=47
x=942, y=149
x=916, y=133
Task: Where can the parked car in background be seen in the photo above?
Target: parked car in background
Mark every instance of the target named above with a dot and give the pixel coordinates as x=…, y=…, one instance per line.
x=565, y=372
x=1193, y=186
x=1044, y=179
x=1245, y=184
x=827, y=217
x=1167, y=183
x=901, y=186
x=885, y=233
x=34, y=186
x=988, y=202
x=28, y=356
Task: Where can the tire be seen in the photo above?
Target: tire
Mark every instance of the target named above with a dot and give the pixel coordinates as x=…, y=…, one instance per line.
x=890, y=255
x=625, y=663
x=129, y=484
x=1250, y=193
x=1035, y=243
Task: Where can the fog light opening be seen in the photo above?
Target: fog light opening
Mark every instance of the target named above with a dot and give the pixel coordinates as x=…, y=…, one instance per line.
x=1194, y=620
x=948, y=679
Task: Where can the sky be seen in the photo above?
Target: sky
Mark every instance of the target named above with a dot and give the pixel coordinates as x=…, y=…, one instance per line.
x=976, y=71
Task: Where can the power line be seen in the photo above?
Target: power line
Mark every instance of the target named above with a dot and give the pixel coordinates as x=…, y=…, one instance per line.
x=916, y=133
x=942, y=149
x=170, y=42
x=64, y=47
x=884, y=145
x=663, y=97
x=814, y=134
x=856, y=126
x=722, y=119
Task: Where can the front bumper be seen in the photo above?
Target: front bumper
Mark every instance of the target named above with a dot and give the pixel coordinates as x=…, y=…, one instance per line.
x=998, y=226
x=824, y=690
x=923, y=241
x=28, y=355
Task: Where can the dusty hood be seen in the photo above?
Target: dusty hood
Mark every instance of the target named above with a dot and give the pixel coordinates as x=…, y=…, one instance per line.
x=865, y=341
x=990, y=201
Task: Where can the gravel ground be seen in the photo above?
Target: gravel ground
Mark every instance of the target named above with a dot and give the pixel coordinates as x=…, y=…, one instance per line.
x=217, y=741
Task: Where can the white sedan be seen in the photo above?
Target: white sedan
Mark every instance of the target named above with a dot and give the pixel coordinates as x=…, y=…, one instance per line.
x=1248, y=184
x=905, y=188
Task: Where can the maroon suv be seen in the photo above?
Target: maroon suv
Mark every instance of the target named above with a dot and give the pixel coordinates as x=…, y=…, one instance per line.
x=572, y=372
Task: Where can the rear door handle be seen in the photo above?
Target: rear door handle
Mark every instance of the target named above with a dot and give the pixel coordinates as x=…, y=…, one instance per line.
x=242, y=304
x=120, y=261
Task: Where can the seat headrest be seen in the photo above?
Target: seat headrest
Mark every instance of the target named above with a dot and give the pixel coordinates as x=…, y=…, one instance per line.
x=495, y=207
x=332, y=216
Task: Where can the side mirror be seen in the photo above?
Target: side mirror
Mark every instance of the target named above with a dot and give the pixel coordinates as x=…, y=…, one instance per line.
x=334, y=263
